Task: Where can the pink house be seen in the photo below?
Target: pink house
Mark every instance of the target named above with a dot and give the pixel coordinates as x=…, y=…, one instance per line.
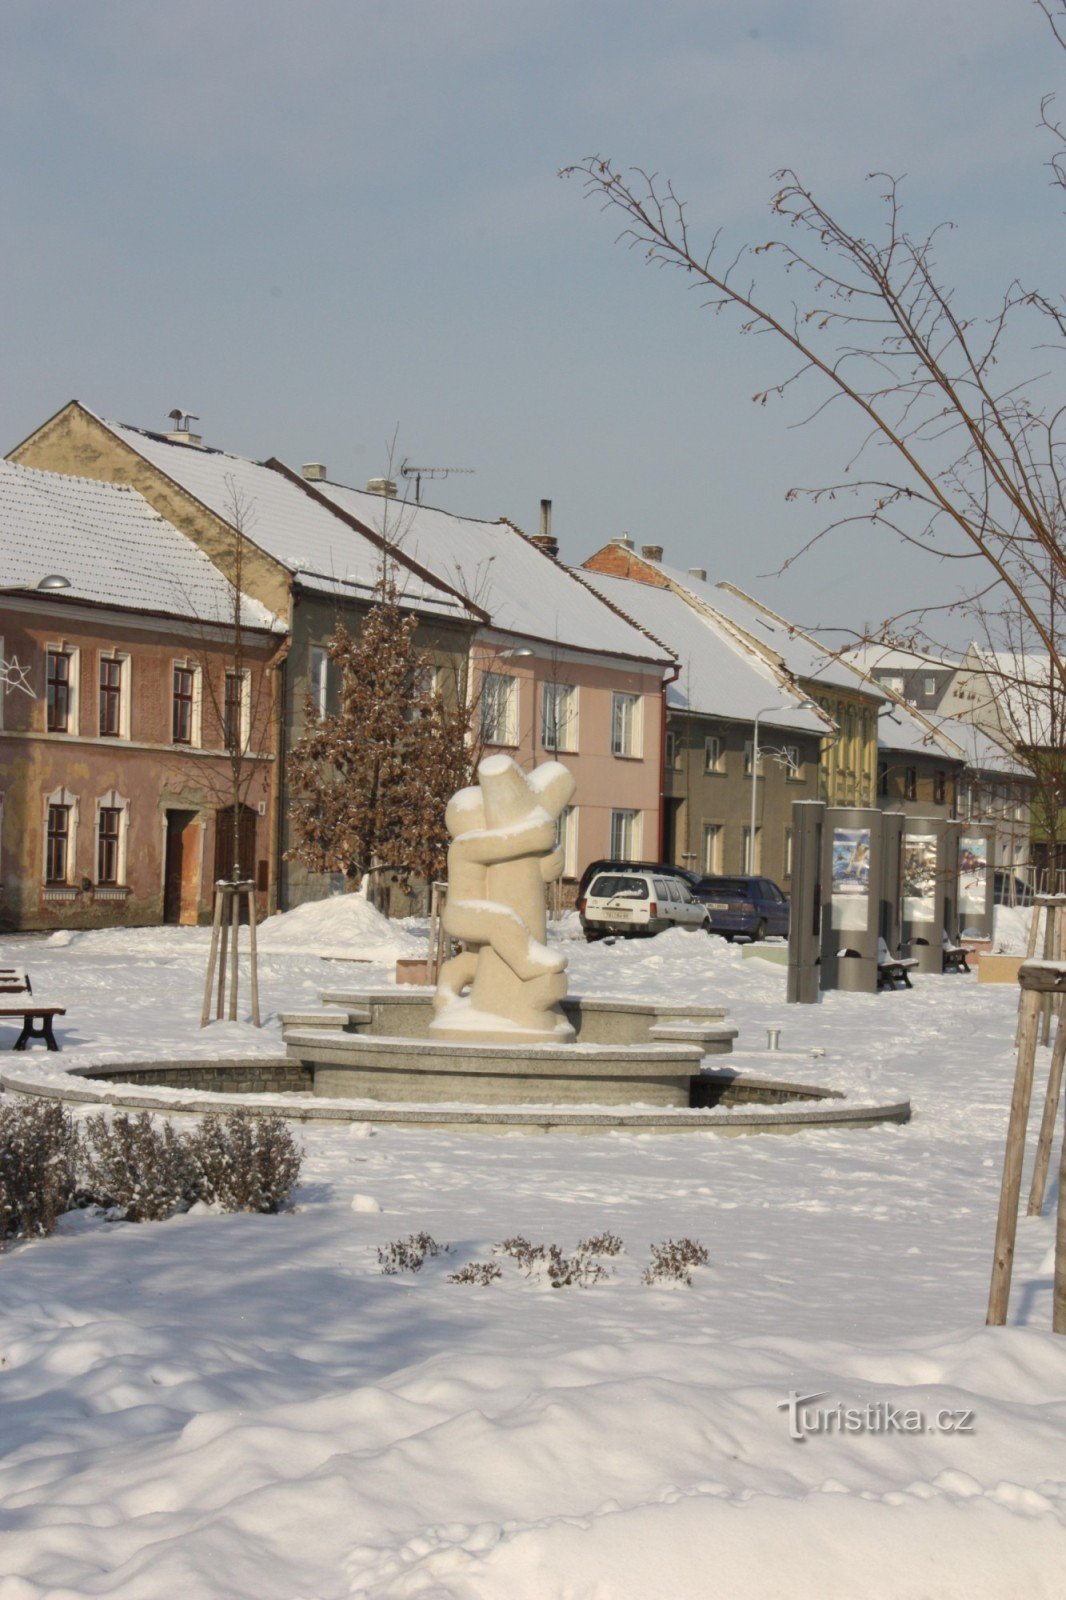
x=558, y=673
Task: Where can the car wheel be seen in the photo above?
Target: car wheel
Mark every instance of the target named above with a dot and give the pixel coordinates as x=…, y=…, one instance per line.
x=760, y=930
x=706, y=925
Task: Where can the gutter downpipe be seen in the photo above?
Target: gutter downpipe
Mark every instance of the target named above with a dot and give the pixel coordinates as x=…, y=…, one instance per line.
x=675, y=669
x=279, y=665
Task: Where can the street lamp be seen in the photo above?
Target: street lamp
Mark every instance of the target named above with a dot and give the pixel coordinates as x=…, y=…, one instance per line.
x=765, y=712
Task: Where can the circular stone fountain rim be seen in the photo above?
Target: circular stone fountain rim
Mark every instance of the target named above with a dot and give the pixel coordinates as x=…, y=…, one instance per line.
x=306, y=1108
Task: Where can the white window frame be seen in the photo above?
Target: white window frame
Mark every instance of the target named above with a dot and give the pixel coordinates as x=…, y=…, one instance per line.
x=711, y=858
x=559, y=717
x=749, y=756
x=713, y=753
x=499, y=709
x=626, y=831
x=60, y=797
x=627, y=726
x=73, y=728
x=788, y=852
x=318, y=677
x=196, y=731
x=566, y=840
x=112, y=801
x=755, y=869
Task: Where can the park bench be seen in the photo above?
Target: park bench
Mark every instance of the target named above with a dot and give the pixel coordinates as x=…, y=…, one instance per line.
x=893, y=969
x=36, y=1019
x=955, y=955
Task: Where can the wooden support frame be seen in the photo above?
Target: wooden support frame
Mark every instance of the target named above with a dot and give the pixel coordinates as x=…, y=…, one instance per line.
x=1036, y=979
x=223, y=959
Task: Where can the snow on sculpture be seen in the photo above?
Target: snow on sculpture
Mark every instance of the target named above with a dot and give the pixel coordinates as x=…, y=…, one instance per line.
x=501, y=859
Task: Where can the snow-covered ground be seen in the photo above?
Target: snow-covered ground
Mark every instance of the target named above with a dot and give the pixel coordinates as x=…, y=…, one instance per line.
x=245, y=1408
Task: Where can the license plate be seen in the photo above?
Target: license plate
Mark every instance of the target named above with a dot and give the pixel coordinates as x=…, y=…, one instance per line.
x=718, y=905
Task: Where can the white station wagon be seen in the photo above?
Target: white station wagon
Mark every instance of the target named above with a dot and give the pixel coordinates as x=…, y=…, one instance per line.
x=636, y=904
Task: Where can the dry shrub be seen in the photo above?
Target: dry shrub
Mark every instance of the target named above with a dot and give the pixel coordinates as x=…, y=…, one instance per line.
x=146, y=1172
x=245, y=1163
x=481, y=1273
x=672, y=1262
x=407, y=1255
x=561, y=1271
x=38, y=1167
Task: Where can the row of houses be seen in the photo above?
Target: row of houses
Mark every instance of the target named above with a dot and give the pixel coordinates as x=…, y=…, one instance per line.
x=133, y=559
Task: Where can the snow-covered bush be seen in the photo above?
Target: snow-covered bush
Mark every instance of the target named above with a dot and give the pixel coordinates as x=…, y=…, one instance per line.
x=561, y=1271
x=38, y=1167
x=481, y=1273
x=150, y=1171
x=245, y=1163
x=407, y=1255
x=672, y=1262
x=144, y=1171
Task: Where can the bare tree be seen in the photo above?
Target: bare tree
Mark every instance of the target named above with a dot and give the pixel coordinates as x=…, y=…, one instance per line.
x=958, y=455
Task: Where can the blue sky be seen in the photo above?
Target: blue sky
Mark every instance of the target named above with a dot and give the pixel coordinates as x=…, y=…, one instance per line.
x=316, y=223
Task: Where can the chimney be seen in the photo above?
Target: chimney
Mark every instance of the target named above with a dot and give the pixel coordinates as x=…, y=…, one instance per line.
x=544, y=540
x=698, y=572
x=313, y=471
x=386, y=487
x=652, y=552
x=625, y=541
x=180, y=433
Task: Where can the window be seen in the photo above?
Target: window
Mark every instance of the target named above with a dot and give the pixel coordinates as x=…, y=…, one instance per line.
x=672, y=758
x=910, y=783
x=893, y=682
x=882, y=777
x=712, y=847
x=566, y=840
x=57, y=845
x=559, y=717
x=713, y=754
x=109, y=820
x=940, y=788
x=110, y=697
x=793, y=765
x=60, y=678
x=183, y=727
x=788, y=852
x=749, y=859
x=235, y=710
x=112, y=816
x=625, y=835
x=749, y=756
x=626, y=733
x=318, y=678
x=499, y=709
x=930, y=686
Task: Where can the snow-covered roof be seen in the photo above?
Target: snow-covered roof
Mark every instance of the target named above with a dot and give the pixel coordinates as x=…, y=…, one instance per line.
x=319, y=548
x=719, y=676
x=887, y=658
x=983, y=752
x=523, y=590
x=112, y=546
x=799, y=654
x=901, y=728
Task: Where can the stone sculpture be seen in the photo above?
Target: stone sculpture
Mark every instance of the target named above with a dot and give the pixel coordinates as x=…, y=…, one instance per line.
x=506, y=983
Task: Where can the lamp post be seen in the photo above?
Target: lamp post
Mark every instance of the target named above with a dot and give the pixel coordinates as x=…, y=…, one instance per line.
x=765, y=712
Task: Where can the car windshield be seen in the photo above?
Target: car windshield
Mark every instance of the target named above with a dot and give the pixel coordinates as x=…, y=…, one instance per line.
x=610, y=885
x=728, y=888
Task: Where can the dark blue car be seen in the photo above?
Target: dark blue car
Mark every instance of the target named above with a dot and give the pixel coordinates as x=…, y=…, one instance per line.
x=752, y=907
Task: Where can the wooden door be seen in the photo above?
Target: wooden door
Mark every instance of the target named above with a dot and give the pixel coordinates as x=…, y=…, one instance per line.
x=181, y=872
